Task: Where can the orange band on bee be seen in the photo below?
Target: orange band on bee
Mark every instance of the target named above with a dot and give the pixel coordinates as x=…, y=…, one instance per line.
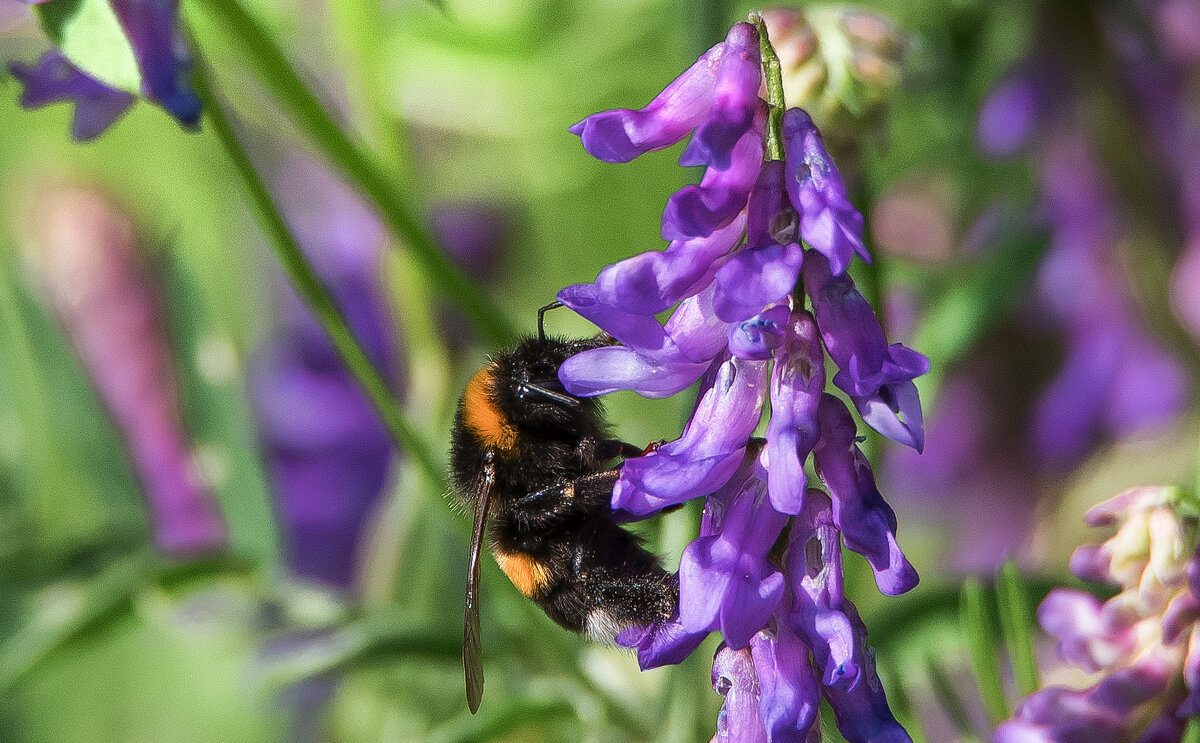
x=526, y=573
x=481, y=416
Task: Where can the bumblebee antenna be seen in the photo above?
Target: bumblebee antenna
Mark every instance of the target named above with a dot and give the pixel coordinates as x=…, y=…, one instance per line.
x=541, y=318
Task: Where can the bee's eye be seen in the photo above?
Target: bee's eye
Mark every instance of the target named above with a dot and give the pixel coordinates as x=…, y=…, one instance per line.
x=541, y=370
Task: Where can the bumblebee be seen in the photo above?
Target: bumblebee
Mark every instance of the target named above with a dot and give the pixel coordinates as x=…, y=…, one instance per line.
x=537, y=466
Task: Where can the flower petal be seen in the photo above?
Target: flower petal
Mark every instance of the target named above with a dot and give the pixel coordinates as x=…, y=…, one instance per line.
x=735, y=99
x=620, y=135
x=700, y=210
x=797, y=383
x=710, y=449
x=651, y=282
x=790, y=696
x=828, y=221
x=152, y=27
x=862, y=515
x=755, y=278
x=53, y=79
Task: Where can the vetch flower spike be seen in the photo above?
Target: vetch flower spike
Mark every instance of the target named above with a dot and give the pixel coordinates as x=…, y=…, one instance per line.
x=768, y=225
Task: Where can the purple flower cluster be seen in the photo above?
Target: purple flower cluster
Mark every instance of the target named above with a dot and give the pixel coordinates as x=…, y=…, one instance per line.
x=163, y=61
x=1141, y=643
x=1117, y=379
x=748, y=244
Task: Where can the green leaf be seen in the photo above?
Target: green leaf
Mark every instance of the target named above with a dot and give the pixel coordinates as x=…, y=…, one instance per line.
x=1017, y=625
x=89, y=34
x=981, y=644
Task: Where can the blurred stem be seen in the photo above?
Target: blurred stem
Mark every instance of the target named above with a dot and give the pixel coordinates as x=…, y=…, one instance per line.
x=357, y=24
x=309, y=286
x=68, y=609
x=303, y=106
x=981, y=645
x=1191, y=733
x=1016, y=623
x=774, y=81
x=47, y=471
x=949, y=700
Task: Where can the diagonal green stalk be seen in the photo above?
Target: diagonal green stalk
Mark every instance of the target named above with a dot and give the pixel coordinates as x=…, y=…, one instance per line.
x=309, y=286
x=310, y=115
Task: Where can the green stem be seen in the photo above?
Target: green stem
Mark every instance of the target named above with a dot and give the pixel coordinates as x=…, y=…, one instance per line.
x=312, y=118
x=981, y=644
x=774, y=77
x=1016, y=623
x=1191, y=734
x=310, y=288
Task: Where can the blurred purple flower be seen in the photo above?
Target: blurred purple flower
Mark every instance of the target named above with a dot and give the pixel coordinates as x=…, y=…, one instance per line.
x=1009, y=115
x=741, y=328
x=100, y=288
x=54, y=80
x=1140, y=642
x=477, y=234
x=163, y=61
x=1117, y=380
x=328, y=454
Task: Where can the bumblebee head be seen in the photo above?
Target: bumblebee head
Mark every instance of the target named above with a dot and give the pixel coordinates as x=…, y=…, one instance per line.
x=526, y=388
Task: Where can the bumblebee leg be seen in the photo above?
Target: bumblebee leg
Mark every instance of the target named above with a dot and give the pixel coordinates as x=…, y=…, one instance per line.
x=613, y=448
x=548, y=507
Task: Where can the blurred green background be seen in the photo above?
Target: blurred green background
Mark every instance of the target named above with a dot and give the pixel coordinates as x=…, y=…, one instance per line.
x=101, y=639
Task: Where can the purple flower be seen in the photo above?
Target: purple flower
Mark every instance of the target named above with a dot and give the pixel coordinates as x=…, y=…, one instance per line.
x=830, y=625
x=101, y=290
x=619, y=136
x=876, y=376
x=54, y=80
x=152, y=27
x=163, y=61
x=700, y=210
x=725, y=580
x=867, y=522
x=828, y=221
x=1009, y=114
x=734, y=677
x=797, y=384
x=1140, y=642
x=734, y=102
x=790, y=694
x=662, y=644
x=327, y=454
x=711, y=448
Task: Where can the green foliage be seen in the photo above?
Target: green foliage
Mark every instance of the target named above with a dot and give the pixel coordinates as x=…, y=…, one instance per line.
x=89, y=34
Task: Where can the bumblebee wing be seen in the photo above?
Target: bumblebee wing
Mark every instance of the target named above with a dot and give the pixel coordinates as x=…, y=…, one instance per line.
x=472, y=650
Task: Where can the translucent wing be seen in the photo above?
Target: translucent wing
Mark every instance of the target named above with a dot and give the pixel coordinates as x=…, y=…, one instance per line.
x=472, y=650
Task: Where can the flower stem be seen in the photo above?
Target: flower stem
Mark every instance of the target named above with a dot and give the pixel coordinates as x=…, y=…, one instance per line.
x=1016, y=624
x=774, y=78
x=312, y=118
x=981, y=645
x=309, y=286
